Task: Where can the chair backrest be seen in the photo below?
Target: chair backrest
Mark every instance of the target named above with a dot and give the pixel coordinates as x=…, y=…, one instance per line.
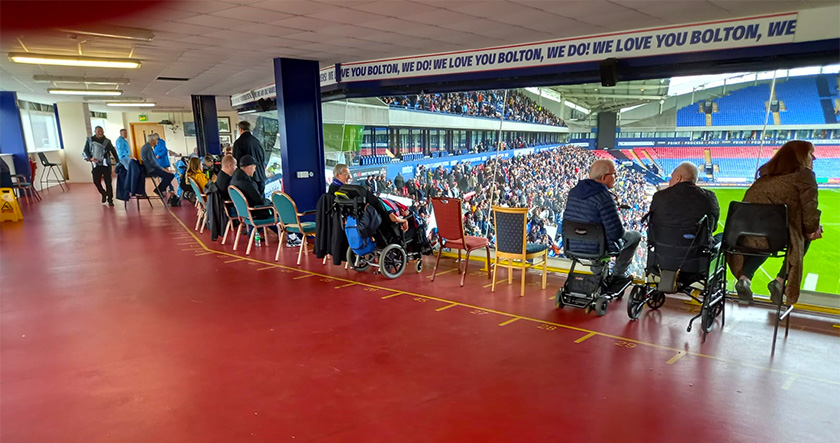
x=584, y=240
x=683, y=248
x=239, y=202
x=44, y=160
x=510, y=225
x=285, y=207
x=197, y=191
x=449, y=219
x=756, y=228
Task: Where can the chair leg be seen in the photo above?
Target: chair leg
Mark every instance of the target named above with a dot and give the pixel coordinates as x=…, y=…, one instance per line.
x=545, y=268
x=203, y=221
x=228, y=228
x=265, y=235
x=302, y=247
x=459, y=261
x=495, y=267
x=197, y=220
x=251, y=241
x=522, y=289
x=238, y=234
x=279, y=245
x=466, y=264
x=437, y=261
x=510, y=271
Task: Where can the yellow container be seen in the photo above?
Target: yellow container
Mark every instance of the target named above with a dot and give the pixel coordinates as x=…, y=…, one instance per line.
x=9, y=208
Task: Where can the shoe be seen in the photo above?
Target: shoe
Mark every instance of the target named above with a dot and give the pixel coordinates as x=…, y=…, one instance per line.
x=110, y=203
x=104, y=198
x=619, y=280
x=745, y=294
x=776, y=291
x=293, y=244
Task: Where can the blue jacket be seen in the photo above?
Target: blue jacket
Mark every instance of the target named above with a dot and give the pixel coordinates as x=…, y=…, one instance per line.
x=123, y=151
x=162, y=154
x=591, y=202
x=131, y=180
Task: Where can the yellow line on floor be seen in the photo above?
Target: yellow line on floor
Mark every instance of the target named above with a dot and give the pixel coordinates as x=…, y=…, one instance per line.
x=679, y=355
x=531, y=319
x=267, y=268
x=835, y=326
x=497, y=282
x=447, y=307
x=507, y=322
x=444, y=272
x=234, y=261
x=344, y=286
x=303, y=276
x=585, y=337
x=789, y=382
x=393, y=295
x=203, y=253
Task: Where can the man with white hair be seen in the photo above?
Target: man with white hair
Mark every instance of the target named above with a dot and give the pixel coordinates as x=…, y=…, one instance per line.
x=591, y=201
x=150, y=164
x=683, y=203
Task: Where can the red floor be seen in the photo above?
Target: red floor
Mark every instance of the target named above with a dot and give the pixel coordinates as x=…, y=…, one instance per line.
x=122, y=326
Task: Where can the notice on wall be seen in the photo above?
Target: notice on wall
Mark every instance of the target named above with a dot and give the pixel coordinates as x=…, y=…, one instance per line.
x=717, y=35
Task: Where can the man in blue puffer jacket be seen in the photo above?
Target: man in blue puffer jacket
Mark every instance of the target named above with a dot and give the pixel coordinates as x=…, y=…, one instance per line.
x=590, y=201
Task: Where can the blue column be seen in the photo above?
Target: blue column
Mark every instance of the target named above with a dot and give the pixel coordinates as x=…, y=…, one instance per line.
x=300, y=130
x=11, y=133
x=206, y=124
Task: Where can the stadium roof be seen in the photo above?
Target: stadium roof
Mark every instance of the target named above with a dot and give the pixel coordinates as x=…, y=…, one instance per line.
x=595, y=97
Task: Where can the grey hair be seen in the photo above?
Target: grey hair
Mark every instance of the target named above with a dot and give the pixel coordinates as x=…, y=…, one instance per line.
x=600, y=168
x=339, y=168
x=152, y=137
x=689, y=170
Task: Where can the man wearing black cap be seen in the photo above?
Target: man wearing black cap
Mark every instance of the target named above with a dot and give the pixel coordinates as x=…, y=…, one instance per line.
x=243, y=178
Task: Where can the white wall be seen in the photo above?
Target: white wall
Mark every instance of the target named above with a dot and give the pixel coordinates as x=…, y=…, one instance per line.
x=174, y=134
x=75, y=129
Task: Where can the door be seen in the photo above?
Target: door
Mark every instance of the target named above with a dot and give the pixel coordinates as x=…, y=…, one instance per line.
x=139, y=131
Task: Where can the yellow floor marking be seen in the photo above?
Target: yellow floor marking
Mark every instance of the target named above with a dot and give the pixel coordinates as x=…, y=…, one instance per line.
x=188, y=243
x=190, y=249
x=447, y=307
x=266, y=268
x=497, y=282
x=372, y=287
x=679, y=355
x=234, y=261
x=835, y=326
x=731, y=326
x=303, y=276
x=507, y=322
x=585, y=337
x=393, y=295
x=693, y=302
x=789, y=382
x=204, y=253
x=344, y=286
x=444, y=272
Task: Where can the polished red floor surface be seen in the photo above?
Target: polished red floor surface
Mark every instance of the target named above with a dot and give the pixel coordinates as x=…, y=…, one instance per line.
x=128, y=327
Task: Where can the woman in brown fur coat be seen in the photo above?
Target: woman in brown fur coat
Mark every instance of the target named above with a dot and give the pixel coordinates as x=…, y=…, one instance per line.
x=786, y=179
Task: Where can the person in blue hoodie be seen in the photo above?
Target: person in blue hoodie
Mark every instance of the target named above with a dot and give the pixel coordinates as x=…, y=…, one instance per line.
x=162, y=156
x=591, y=201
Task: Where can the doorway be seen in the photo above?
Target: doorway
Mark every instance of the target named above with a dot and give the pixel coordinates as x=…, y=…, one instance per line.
x=139, y=131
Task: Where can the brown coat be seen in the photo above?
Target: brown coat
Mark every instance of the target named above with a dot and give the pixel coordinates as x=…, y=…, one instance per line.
x=798, y=190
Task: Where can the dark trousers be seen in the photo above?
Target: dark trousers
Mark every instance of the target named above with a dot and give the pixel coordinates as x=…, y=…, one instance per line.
x=165, y=179
x=628, y=250
x=103, y=173
x=752, y=263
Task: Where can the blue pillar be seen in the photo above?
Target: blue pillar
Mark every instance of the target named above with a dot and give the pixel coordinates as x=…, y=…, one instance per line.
x=11, y=133
x=300, y=130
x=206, y=124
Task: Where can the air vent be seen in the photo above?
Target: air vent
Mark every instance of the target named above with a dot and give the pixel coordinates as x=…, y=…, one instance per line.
x=174, y=79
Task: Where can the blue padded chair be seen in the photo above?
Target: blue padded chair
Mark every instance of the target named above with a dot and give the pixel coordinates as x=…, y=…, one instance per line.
x=511, y=243
x=200, y=206
x=288, y=219
x=243, y=213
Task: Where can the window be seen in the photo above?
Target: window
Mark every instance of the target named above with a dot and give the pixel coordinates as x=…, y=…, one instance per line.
x=40, y=130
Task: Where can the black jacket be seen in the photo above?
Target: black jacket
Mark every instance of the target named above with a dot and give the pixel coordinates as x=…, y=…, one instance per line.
x=216, y=216
x=247, y=144
x=249, y=189
x=222, y=182
x=329, y=229
x=683, y=204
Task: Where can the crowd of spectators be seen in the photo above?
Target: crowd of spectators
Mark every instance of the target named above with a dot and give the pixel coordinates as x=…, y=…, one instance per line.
x=539, y=181
x=490, y=104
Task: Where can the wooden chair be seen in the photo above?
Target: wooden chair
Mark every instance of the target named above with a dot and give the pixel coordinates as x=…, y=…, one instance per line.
x=450, y=225
x=24, y=188
x=511, y=244
x=246, y=218
x=288, y=220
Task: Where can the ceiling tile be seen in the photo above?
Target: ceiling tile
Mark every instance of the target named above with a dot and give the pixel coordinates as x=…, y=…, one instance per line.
x=251, y=14
x=294, y=7
x=202, y=7
x=396, y=9
x=190, y=29
x=344, y=15
x=216, y=22
x=303, y=23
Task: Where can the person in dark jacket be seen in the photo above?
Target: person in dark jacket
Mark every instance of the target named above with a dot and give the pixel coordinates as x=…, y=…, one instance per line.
x=590, y=201
x=248, y=145
x=243, y=179
x=683, y=203
x=224, y=176
x=98, y=151
x=153, y=169
x=399, y=184
x=329, y=227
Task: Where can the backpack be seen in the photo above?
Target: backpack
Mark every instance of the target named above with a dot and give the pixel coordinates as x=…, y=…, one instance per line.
x=174, y=200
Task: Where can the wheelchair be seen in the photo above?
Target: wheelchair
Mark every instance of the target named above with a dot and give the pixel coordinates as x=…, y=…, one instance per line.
x=683, y=259
x=586, y=244
x=388, y=250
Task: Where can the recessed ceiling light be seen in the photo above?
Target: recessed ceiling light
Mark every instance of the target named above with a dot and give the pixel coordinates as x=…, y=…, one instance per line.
x=132, y=104
x=71, y=60
x=92, y=92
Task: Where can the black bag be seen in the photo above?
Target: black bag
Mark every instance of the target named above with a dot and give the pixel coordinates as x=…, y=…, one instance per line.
x=174, y=200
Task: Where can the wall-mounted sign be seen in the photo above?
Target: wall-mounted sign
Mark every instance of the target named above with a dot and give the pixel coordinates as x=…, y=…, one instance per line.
x=143, y=117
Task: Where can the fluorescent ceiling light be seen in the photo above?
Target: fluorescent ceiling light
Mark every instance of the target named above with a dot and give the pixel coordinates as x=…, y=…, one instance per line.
x=132, y=104
x=88, y=80
x=249, y=111
x=113, y=32
x=73, y=60
x=93, y=92
x=111, y=99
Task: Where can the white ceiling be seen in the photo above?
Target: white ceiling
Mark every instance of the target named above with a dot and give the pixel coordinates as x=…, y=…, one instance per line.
x=227, y=46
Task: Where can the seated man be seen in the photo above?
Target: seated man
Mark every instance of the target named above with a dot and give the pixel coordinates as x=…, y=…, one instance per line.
x=153, y=169
x=242, y=178
x=225, y=174
x=683, y=203
x=590, y=201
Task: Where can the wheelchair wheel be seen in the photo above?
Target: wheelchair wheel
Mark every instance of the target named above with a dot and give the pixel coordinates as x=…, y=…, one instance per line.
x=600, y=305
x=392, y=261
x=351, y=260
x=418, y=267
x=707, y=319
x=657, y=300
x=636, y=302
x=558, y=299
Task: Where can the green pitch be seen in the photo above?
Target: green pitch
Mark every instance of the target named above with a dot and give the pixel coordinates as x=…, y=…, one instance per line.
x=823, y=257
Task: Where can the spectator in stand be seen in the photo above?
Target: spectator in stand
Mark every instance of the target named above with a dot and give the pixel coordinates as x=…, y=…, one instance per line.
x=243, y=179
x=153, y=169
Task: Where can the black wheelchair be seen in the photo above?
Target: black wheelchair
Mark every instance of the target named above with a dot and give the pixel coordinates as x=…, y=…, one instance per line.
x=688, y=260
x=586, y=244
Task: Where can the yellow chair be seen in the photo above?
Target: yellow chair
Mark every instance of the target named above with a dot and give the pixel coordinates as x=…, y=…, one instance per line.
x=511, y=244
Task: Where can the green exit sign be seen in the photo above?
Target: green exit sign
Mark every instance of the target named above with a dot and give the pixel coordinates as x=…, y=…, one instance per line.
x=143, y=117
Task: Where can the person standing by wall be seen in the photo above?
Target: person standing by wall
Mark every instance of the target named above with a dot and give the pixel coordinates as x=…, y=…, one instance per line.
x=98, y=151
x=247, y=144
x=123, y=150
